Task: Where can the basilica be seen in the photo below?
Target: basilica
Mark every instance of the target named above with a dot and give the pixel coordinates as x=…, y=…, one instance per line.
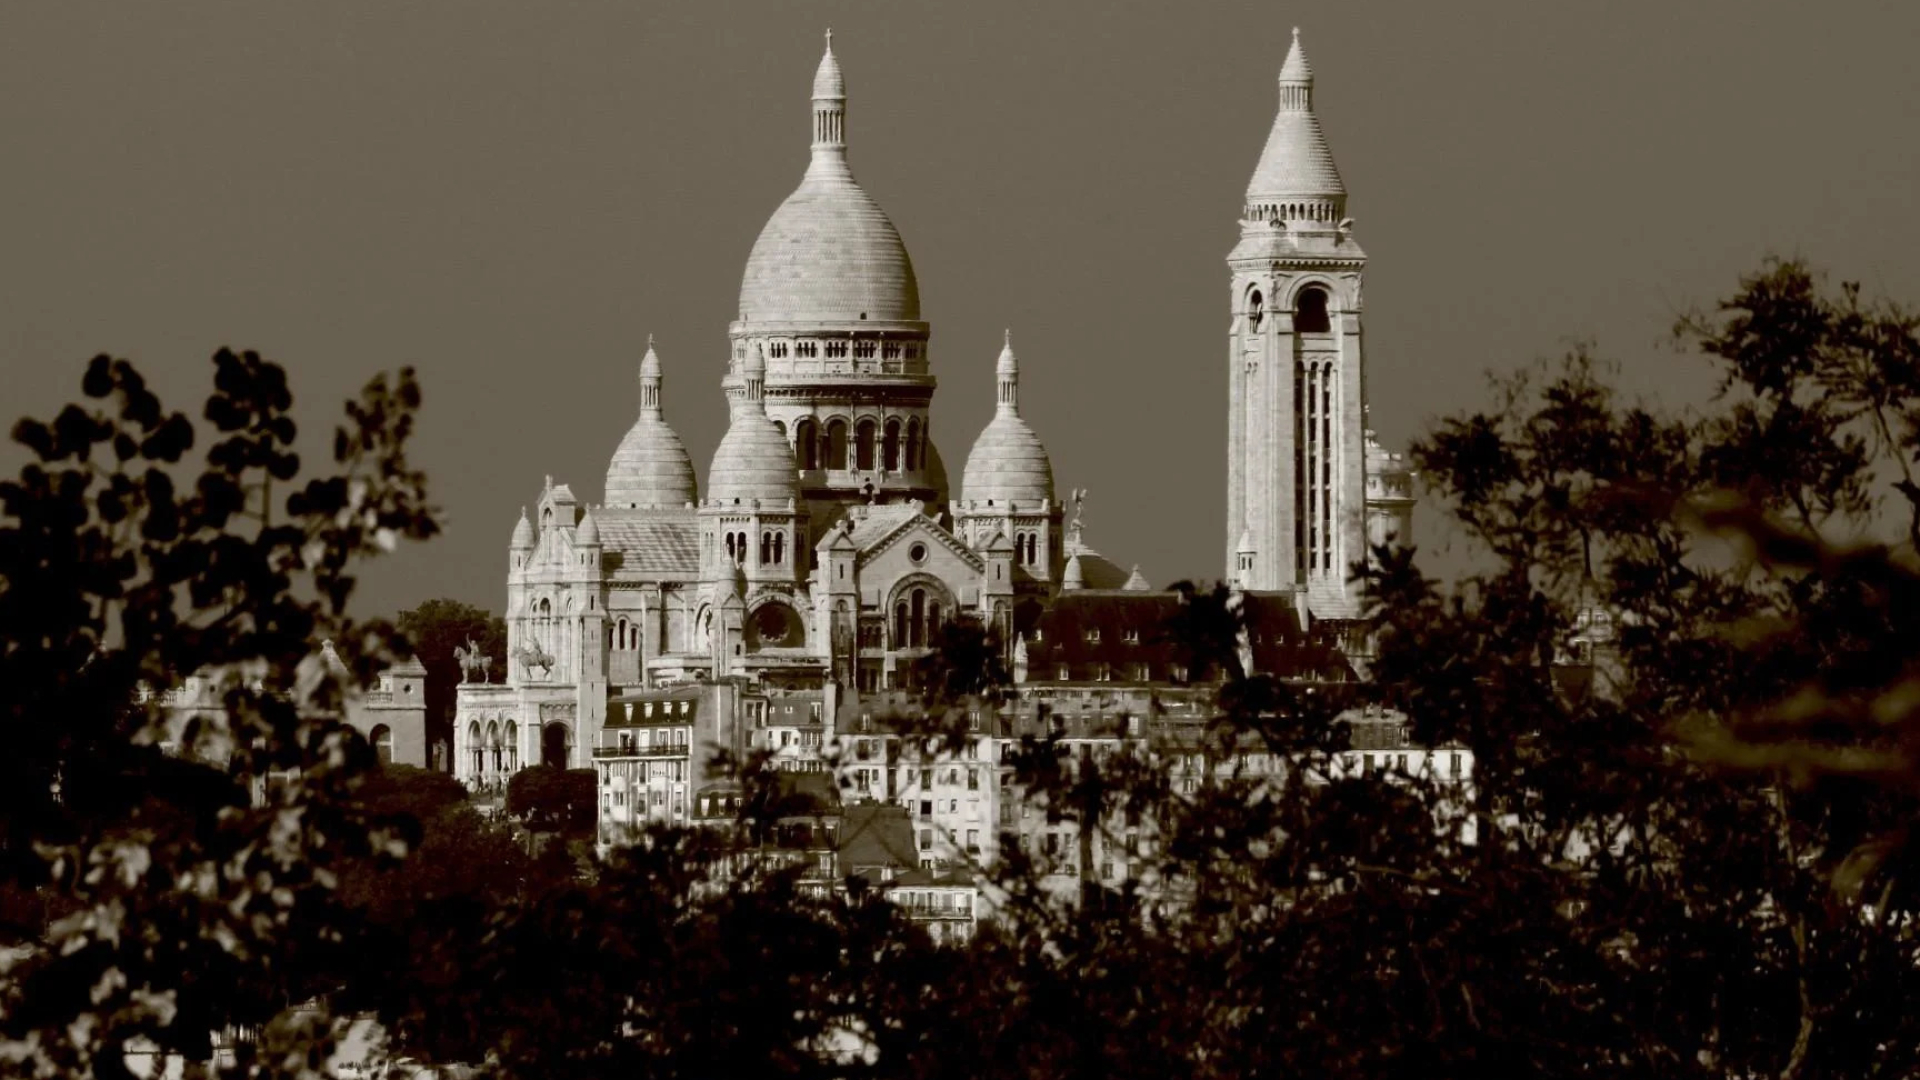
x=829, y=542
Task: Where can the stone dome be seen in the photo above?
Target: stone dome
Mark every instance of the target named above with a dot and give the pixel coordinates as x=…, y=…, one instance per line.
x=1008, y=462
x=753, y=460
x=523, y=531
x=829, y=254
x=650, y=467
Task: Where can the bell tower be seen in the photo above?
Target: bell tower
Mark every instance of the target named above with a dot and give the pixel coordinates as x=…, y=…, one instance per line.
x=1296, y=465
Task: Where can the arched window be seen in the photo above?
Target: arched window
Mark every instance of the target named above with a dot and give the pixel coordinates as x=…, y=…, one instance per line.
x=837, y=444
x=1256, y=310
x=475, y=748
x=890, y=447
x=779, y=548
x=729, y=547
x=911, y=450
x=933, y=622
x=917, y=627
x=766, y=549
x=512, y=739
x=806, y=444
x=900, y=625
x=781, y=426
x=863, y=446
x=544, y=608
x=556, y=745
x=1310, y=314
x=493, y=746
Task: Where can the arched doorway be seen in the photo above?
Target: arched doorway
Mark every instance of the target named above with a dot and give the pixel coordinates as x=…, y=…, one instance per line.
x=555, y=743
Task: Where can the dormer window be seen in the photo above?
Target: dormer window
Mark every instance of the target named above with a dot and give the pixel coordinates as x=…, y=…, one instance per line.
x=1093, y=636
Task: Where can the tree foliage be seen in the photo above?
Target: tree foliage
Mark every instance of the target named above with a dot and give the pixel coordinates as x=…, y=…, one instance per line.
x=1686, y=676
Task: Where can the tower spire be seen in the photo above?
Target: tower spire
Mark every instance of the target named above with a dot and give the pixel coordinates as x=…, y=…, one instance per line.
x=650, y=380
x=1007, y=374
x=829, y=105
x=1296, y=78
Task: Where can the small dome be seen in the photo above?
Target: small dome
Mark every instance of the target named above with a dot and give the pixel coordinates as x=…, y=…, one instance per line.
x=588, y=534
x=650, y=467
x=1008, y=462
x=523, y=531
x=753, y=460
x=1075, y=577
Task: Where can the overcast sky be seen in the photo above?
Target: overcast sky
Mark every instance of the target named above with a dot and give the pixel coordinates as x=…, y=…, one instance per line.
x=512, y=196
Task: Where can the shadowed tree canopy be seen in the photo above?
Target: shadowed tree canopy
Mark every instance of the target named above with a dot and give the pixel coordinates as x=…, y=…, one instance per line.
x=433, y=631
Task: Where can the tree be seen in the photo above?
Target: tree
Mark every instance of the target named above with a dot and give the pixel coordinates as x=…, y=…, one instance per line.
x=433, y=630
x=550, y=799
x=190, y=864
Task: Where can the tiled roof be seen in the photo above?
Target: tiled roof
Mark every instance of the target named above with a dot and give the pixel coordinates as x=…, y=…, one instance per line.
x=650, y=543
x=877, y=834
x=1123, y=629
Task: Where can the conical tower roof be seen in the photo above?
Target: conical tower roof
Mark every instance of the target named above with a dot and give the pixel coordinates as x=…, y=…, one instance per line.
x=1296, y=176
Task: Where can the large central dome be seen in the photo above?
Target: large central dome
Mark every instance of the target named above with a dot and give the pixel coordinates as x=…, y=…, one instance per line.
x=829, y=254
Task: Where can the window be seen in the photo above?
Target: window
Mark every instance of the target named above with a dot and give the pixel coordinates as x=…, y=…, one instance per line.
x=1130, y=636
x=382, y=740
x=1256, y=310
x=890, y=447
x=864, y=446
x=806, y=443
x=973, y=779
x=836, y=444
x=973, y=841
x=1310, y=312
x=1093, y=636
x=1062, y=674
x=926, y=839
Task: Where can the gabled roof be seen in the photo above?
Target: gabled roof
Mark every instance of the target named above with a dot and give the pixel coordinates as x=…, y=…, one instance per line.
x=918, y=522
x=871, y=523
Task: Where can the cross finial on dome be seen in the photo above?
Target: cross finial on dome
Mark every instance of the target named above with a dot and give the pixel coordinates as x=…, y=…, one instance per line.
x=828, y=82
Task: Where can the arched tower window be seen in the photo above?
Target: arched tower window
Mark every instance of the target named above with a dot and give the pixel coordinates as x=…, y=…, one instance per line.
x=917, y=616
x=911, y=451
x=779, y=548
x=806, y=444
x=863, y=446
x=382, y=740
x=837, y=444
x=1310, y=313
x=1256, y=310
x=890, y=446
x=900, y=625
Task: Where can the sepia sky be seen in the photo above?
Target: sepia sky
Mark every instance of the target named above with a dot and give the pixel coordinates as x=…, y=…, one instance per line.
x=511, y=196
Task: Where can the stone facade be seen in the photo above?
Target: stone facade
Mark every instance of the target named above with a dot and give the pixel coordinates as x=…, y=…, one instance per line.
x=786, y=605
